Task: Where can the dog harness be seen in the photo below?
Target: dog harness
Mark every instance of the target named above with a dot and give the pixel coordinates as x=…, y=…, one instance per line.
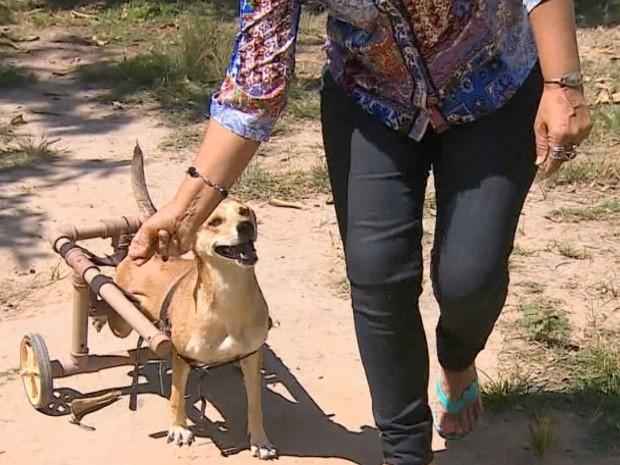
x=165, y=326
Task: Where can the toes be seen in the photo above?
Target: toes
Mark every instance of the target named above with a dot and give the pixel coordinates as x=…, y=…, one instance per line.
x=451, y=427
x=263, y=450
x=459, y=426
x=464, y=420
x=446, y=423
x=180, y=436
x=472, y=417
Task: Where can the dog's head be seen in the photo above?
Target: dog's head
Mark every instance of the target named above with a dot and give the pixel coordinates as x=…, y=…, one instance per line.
x=228, y=235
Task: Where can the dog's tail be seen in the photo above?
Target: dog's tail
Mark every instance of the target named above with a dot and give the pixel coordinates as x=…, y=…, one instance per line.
x=138, y=183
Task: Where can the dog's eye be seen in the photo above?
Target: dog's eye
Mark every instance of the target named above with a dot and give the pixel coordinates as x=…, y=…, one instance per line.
x=215, y=222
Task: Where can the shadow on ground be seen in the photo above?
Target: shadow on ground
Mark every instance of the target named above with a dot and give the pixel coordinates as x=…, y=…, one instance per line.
x=20, y=225
x=296, y=425
x=299, y=428
x=58, y=103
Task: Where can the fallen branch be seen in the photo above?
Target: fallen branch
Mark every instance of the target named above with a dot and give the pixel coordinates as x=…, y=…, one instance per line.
x=286, y=204
x=77, y=14
x=66, y=71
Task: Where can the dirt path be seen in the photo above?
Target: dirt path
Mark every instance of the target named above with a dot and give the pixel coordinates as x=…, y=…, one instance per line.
x=316, y=404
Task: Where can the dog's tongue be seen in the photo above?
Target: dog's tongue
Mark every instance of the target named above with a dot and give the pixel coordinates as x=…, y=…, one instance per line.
x=247, y=253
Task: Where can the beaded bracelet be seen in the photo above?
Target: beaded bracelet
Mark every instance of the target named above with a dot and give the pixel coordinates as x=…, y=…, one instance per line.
x=194, y=173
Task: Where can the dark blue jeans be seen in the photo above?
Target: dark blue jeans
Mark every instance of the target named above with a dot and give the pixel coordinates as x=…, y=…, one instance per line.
x=482, y=172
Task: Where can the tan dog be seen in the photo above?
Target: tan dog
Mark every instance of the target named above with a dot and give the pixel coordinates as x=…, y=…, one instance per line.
x=215, y=306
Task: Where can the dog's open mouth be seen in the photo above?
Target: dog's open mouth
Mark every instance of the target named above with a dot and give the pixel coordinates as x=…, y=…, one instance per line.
x=244, y=253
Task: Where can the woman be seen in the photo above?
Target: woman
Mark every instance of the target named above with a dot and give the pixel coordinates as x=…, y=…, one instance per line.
x=481, y=92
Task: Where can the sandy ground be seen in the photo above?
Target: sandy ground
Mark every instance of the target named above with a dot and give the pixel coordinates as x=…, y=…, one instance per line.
x=317, y=406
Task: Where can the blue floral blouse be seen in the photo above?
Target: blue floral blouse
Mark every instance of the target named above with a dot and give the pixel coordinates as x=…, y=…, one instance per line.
x=410, y=63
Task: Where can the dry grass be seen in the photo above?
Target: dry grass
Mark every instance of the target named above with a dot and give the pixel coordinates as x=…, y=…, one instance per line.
x=604, y=211
x=542, y=437
x=22, y=151
x=257, y=183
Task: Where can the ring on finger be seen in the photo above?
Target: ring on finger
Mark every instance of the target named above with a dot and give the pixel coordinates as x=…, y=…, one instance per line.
x=561, y=152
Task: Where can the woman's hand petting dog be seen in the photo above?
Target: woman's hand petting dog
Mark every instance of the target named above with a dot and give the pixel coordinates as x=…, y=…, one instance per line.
x=165, y=233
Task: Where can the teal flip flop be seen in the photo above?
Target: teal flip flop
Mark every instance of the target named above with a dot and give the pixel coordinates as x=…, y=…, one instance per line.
x=470, y=395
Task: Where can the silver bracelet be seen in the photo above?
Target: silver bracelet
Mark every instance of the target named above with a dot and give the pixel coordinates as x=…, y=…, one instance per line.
x=194, y=173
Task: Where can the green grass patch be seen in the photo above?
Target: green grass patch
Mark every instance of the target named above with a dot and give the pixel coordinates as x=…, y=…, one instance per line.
x=125, y=21
x=6, y=133
x=606, y=121
x=532, y=287
x=597, y=12
x=542, y=437
x=311, y=27
x=604, y=211
x=581, y=377
x=596, y=368
x=598, y=171
x=542, y=322
x=303, y=99
x=594, y=379
x=507, y=389
x=8, y=375
x=521, y=251
x=570, y=251
x=257, y=183
x=140, y=71
x=10, y=78
x=607, y=288
x=183, y=138
x=24, y=153
x=182, y=72
x=6, y=15
x=179, y=75
x=178, y=51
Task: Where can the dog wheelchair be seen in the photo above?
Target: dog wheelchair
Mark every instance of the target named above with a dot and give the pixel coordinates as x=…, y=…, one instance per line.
x=96, y=296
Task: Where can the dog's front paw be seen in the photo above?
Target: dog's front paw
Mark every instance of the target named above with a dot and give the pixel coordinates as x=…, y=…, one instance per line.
x=180, y=436
x=263, y=449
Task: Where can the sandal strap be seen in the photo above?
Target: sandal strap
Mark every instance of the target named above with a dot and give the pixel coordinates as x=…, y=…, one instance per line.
x=468, y=396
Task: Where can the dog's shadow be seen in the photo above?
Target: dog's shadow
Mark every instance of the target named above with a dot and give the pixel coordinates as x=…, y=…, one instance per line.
x=295, y=424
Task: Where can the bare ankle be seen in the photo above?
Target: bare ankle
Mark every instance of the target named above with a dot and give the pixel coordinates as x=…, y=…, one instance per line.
x=471, y=369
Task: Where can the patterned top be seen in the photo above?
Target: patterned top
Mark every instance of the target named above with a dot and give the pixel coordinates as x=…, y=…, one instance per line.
x=408, y=62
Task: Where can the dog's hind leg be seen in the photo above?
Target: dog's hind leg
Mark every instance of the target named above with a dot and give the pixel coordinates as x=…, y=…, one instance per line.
x=259, y=443
x=178, y=432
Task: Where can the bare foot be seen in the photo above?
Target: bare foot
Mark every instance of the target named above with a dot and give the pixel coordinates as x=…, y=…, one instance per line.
x=454, y=384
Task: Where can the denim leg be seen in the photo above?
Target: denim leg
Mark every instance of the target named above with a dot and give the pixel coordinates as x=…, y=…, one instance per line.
x=378, y=180
x=483, y=172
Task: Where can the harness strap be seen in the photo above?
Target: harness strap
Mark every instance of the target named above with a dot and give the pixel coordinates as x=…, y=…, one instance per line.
x=211, y=366
x=164, y=324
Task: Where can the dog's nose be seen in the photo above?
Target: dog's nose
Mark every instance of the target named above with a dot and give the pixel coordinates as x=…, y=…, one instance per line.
x=245, y=230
